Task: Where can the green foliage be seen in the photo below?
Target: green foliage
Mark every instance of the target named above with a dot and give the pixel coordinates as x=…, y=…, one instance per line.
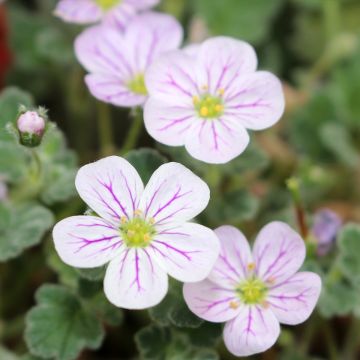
x=21, y=227
x=173, y=310
x=145, y=161
x=160, y=343
x=59, y=326
x=239, y=19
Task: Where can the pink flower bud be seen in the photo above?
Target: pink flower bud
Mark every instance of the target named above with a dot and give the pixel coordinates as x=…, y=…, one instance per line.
x=31, y=127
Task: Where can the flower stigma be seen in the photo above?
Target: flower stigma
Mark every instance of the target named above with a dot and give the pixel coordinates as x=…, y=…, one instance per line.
x=137, y=232
x=252, y=291
x=107, y=4
x=209, y=106
x=137, y=85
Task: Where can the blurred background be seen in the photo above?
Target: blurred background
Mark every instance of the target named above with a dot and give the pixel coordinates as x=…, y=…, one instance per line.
x=300, y=171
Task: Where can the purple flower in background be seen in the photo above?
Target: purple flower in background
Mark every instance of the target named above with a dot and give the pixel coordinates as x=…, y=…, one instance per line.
x=143, y=234
x=206, y=99
x=325, y=228
x=117, y=61
x=254, y=292
x=113, y=12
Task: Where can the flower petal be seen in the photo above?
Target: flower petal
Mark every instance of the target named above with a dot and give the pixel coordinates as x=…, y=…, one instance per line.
x=149, y=35
x=187, y=252
x=294, y=300
x=111, y=89
x=235, y=256
x=111, y=187
x=79, y=11
x=86, y=241
x=221, y=60
x=253, y=331
x=97, y=48
x=142, y=4
x=278, y=252
x=256, y=99
x=120, y=16
x=168, y=124
x=217, y=141
x=210, y=301
x=134, y=281
x=172, y=79
x=174, y=194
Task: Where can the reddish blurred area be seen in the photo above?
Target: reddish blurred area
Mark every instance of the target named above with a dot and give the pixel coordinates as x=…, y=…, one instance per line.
x=5, y=53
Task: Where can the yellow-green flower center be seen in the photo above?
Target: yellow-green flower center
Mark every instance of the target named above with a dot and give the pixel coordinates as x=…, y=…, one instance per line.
x=252, y=291
x=137, y=85
x=107, y=4
x=208, y=106
x=137, y=232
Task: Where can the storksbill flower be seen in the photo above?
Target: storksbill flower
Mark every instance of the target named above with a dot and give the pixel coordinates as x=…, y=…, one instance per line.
x=117, y=61
x=254, y=292
x=112, y=12
x=206, y=99
x=143, y=234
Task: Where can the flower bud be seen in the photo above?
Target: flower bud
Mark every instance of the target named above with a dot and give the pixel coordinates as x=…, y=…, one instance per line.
x=325, y=228
x=31, y=128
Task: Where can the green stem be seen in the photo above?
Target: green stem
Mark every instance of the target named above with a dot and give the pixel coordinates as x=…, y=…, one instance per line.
x=331, y=9
x=37, y=164
x=351, y=346
x=330, y=341
x=105, y=129
x=134, y=132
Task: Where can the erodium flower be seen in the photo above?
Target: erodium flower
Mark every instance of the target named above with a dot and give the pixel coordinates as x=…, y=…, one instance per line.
x=143, y=234
x=112, y=12
x=254, y=292
x=207, y=100
x=117, y=61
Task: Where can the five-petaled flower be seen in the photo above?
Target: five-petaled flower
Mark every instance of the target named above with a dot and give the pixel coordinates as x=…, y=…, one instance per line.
x=143, y=234
x=254, y=292
x=207, y=99
x=117, y=61
x=112, y=12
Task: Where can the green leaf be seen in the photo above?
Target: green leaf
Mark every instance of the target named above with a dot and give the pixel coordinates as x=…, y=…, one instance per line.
x=59, y=327
x=145, y=161
x=337, y=299
x=233, y=207
x=349, y=255
x=173, y=310
x=248, y=20
x=25, y=226
x=337, y=138
x=152, y=342
x=6, y=354
x=10, y=100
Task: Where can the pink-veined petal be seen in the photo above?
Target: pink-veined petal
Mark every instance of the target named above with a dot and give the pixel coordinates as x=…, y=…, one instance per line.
x=294, y=300
x=253, y=331
x=142, y=4
x=235, y=255
x=210, y=301
x=100, y=49
x=174, y=194
x=111, y=187
x=217, y=141
x=221, y=60
x=172, y=79
x=78, y=11
x=278, y=252
x=187, y=252
x=111, y=89
x=86, y=241
x=134, y=281
x=168, y=124
x=149, y=35
x=256, y=100
x=120, y=16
